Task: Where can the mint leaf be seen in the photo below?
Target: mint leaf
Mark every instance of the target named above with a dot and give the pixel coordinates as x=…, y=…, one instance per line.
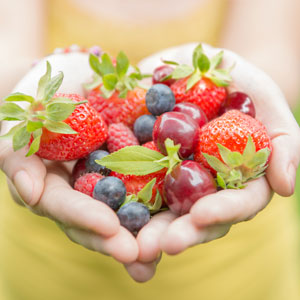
x=15, y=97
x=182, y=71
x=21, y=138
x=122, y=64
x=59, y=111
x=52, y=86
x=34, y=125
x=43, y=83
x=135, y=160
x=12, y=111
x=35, y=145
x=110, y=81
x=59, y=127
x=145, y=194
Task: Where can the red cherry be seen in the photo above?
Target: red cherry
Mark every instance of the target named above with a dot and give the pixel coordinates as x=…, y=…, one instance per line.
x=180, y=128
x=186, y=184
x=192, y=110
x=239, y=101
x=160, y=73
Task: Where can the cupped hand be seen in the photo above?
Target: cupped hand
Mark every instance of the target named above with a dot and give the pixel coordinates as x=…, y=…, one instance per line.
x=43, y=186
x=212, y=216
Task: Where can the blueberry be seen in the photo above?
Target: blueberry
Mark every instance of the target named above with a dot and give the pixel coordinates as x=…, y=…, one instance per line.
x=92, y=166
x=110, y=190
x=159, y=99
x=133, y=216
x=143, y=127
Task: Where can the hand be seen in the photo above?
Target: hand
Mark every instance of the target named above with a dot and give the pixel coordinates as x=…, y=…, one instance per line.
x=212, y=217
x=44, y=187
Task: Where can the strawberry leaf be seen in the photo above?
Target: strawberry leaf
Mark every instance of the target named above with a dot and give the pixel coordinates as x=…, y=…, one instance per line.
x=34, y=125
x=203, y=63
x=193, y=80
x=145, y=194
x=21, y=138
x=232, y=159
x=16, y=97
x=198, y=51
x=110, y=81
x=216, y=164
x=135, y=160
x=12, y=111
x=216, y=60
x=59, y=111
x=123, y=93
x=170, y=62
x=13, y=130
x=52, y=86
x=43, y=83
x=122, y=64
x=95, y=64
x=35, y=145
x=182, y=71
x=106, y=66
x=59, y=127
x=96, y=81
x=157, y=203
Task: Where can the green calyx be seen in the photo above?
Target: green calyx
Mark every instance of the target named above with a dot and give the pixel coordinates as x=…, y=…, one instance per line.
x=43, y=111
x=145, y=195
x=139, y=160
x=236, y=168
x=113, y=78
x=202, y=67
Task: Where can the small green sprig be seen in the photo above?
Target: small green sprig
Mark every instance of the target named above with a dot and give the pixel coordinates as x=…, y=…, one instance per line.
x=44, y=111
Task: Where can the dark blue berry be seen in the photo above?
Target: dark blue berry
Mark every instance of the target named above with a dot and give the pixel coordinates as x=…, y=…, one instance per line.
x=159, y=99
x=110, y=190
x=133, y=216
x=143, y=127
x=92, y=166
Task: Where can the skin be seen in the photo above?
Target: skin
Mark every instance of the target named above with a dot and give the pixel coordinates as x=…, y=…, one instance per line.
x=44, y=189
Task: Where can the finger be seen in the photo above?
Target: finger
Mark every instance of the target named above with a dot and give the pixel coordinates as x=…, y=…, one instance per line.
x=65, y=205
x=27, y=174
x=122, y=246
x=232, y=206
x=184, y=233
x=149, y=237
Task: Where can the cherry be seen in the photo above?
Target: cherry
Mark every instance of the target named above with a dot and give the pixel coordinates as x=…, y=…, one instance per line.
x=180, y=128
x=192, y=110
x=160, y=73
x=239, y=101
x=186, y=184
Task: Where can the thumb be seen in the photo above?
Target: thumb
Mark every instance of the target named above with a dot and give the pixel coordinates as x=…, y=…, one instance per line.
x=25, y=173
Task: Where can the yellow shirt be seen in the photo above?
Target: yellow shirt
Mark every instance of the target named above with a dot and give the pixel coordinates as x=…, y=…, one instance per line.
x=256, y=260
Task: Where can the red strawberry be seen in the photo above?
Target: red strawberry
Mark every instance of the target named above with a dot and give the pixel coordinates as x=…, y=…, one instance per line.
x=120, y=136
x=86, y=183
x=115, y=93
x=56, y=126
x=115, y=109
x=236, y=146
x=203, y=84
x=92, y=133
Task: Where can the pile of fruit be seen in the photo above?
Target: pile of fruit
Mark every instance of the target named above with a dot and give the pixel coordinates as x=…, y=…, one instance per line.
x=142, y=150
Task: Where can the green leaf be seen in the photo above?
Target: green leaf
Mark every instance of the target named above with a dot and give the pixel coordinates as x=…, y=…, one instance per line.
x=216, y=164
x=145, y=194
x=130, y=198
x=52, y=86
x=157, y=203
x=106, y=65
x=43, y=83
x=216, y=60
x=249, y=150
x=220, y=181
x=64, y=100
x=21, y=138
x=97, y=80
x=110, y=81
x=12, y=111
x=170, y=62
x=106, y=93
x=182, y=71
x=59, y=111
x=232, y=159
x=193, y=80
x=198, y=51
x=59, y=127
x=123, y=93
x=34, y=125
x=220, y=77
x=122, y=64
x=203, y=63
x=95, y=64
x=15, y=97
x=35, y=145
x=12, y=131
x=135, y=160
x=260, y=158
x=172, y=151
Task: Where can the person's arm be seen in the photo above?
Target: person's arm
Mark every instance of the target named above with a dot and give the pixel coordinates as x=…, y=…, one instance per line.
x=266, y=33
x=22, y=25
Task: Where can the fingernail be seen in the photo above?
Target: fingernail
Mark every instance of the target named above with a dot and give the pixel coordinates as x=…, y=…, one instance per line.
x=24, y=185
x=292, y=176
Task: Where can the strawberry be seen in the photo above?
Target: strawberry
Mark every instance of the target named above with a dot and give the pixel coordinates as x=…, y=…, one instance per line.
x=86, y=183
x=203, y=84
x=120, y=136
x=234, y=146
x=55, y=126
x=114, y=93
